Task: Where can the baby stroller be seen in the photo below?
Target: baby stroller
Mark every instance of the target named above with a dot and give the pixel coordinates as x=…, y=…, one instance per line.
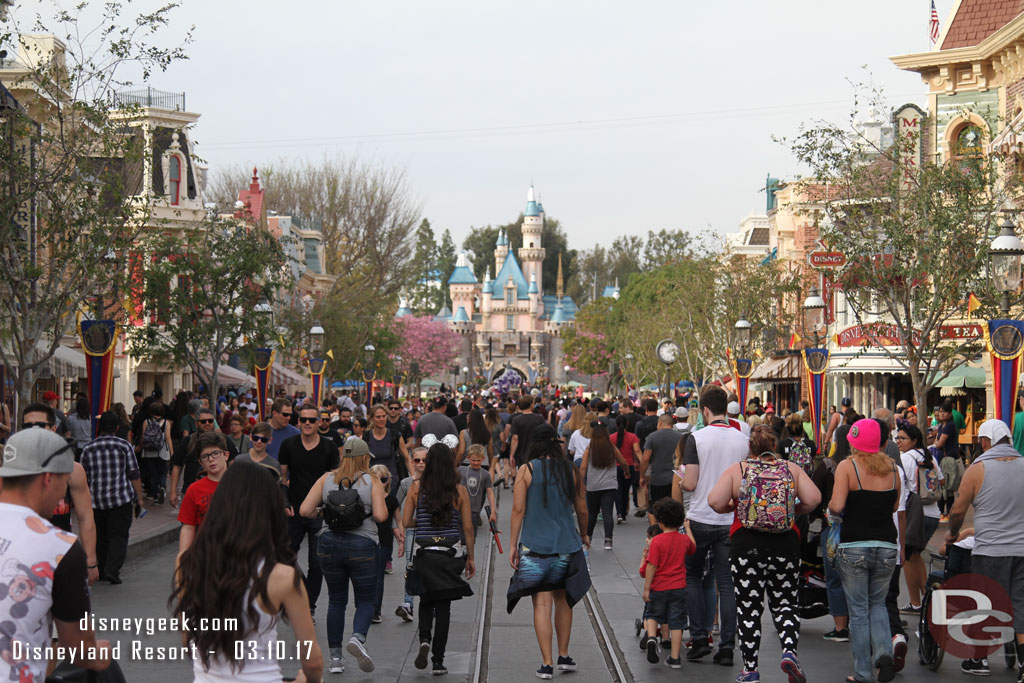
x=956, y=561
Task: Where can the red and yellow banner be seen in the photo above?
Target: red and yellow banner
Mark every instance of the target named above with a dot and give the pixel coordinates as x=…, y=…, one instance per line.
x=99, y=339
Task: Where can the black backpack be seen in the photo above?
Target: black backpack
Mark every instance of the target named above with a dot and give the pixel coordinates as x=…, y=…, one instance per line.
x=343, y=510
x=153, y=436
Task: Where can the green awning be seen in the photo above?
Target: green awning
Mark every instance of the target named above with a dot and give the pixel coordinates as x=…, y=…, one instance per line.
x=429, y=383
x=964, y=376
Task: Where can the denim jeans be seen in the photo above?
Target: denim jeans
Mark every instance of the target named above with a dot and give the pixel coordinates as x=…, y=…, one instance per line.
x=383, y=557
x=345, y=557
x=833, y=583
x=711, y=539
x=866, y=572
x=410, y=534
x=299, y=528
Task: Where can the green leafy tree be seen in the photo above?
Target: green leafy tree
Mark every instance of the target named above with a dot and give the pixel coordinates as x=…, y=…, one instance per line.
x=915, y=240
x=423, y=296
x=70, y=208
x=200, y=293
x=445, y=260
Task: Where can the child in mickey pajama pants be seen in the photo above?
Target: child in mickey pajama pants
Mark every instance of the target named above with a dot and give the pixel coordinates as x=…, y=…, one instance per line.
x=755, y=572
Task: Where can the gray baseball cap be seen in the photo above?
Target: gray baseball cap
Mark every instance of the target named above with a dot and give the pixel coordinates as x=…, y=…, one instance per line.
x=36, y=450
x=356, y=447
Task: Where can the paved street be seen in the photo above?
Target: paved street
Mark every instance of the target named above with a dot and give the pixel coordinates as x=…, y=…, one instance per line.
x=510, y=645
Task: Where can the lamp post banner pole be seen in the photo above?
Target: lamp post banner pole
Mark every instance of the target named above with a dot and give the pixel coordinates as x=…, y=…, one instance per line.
x=264, y=361
x=316, y=376
x=742, y=369
x=816, y=363
x=99, y=339
x=1005, y=342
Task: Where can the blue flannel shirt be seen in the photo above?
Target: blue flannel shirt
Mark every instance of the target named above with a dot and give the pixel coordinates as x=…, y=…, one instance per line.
x=110, y=467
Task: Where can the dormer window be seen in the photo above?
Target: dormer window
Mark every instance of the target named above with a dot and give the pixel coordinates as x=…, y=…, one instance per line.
x=174, y=179
x=510, y=294
x=174, y=168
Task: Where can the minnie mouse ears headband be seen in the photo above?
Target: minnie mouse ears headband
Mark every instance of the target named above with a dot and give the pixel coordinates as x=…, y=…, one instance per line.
x=449, y=440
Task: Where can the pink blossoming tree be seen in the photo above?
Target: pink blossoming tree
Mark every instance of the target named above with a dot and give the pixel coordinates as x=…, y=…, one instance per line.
x=427, y=342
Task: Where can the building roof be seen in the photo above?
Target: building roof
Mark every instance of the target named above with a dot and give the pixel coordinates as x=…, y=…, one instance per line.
x=532, y=209
x=611, y=292
x=510, y=270
x=976, y=20
x=533, y=285
x=551, y=303
x=502, y=239
x=462, y=275
x=251, y=199
x=444, y=315
x=460, y=316
x=403, y=309
x=559, y=315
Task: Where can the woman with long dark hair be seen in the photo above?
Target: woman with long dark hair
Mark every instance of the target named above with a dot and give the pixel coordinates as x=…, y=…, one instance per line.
x=438, y=508
x=383, y=444
x=915, y=458
x=547, y=547
x=629, y=446
x=494, y=427
x=599, y=472
x=260, y=585
x=80, y=424
x=124, y=424
x=349, y=555
x=476, y=432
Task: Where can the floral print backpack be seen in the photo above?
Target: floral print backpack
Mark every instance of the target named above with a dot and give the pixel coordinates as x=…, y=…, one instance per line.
x=767, y=496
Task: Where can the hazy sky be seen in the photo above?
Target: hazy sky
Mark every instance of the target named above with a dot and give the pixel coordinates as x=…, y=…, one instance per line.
x=627, y=116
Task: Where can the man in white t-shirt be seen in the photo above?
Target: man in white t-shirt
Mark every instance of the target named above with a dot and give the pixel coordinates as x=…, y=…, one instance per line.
x=708, y=453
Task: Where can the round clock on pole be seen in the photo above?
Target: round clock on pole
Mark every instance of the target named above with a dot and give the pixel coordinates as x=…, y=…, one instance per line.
x=668, y=351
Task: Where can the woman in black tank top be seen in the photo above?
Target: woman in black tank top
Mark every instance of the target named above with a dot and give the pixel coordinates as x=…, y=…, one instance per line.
x=865, y=497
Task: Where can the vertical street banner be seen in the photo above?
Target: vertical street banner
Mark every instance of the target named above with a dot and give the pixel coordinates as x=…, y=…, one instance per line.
x=742, y=369
x=316, y=376
x=99, y=338
x=816, y=362
x=263, y=362
x=1005, y=341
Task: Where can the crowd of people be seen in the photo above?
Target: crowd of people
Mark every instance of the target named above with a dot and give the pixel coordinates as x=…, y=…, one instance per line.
x=731, y=497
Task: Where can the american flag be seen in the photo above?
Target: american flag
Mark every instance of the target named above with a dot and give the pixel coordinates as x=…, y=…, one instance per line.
x=933, y=24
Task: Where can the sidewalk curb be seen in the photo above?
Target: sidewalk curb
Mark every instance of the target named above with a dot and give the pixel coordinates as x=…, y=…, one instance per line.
x=156, y=539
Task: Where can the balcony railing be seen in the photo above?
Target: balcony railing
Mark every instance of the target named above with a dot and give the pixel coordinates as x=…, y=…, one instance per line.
x=151, y=97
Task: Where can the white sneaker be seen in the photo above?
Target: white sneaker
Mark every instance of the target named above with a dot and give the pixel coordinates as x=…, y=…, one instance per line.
x=337, y=665
x=356, y=648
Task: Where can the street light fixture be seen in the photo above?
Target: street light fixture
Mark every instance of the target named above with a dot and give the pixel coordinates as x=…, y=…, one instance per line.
x=1005, y=255
x=316, y=339
x=814, y=315
x=743, y=327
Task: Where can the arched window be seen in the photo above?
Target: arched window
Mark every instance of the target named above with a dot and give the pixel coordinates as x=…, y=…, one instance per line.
x=174, y=179
x=968, y=142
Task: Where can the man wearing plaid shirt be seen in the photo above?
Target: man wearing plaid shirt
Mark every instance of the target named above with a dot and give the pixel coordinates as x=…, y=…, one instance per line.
x=113, y=475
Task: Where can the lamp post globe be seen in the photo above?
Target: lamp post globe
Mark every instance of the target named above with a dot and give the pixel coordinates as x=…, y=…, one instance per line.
x=814, y=314
x=316, y=338
x=1005, y=254
x=742, y=327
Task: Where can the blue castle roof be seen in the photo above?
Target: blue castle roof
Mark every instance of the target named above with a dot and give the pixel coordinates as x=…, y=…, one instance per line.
x=460, y=316
x=510, y=270
x=532, y=209
x=462, y=276
x=551, y=303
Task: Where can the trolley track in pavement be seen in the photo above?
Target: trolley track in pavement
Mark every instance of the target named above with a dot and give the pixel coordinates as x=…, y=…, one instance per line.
x=486, y=661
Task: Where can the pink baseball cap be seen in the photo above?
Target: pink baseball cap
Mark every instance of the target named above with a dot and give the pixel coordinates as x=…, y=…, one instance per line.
x=865, y=435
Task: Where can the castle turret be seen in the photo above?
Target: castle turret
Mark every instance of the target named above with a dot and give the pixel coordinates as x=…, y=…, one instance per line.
x=462, y=287
x=531, y=255
x=500, y=251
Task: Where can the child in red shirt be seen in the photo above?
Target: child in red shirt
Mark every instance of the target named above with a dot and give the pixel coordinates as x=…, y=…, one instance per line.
x=213, y=457
x=665, y=580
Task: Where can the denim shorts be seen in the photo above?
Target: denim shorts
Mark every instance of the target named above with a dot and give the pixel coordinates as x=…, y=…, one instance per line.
x=668, y=607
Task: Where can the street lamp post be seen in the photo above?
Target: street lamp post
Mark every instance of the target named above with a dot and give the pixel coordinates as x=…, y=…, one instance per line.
x=465, y=372
x=316, y=362
x=398, y=375
x=263, y=356
x=668, y=353
x=815, y=358
x=1004, y=337
x=742, y=366
x=369, y=373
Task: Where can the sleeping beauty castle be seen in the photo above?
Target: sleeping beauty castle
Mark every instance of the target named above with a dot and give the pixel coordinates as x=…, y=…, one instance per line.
x=508, y=323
